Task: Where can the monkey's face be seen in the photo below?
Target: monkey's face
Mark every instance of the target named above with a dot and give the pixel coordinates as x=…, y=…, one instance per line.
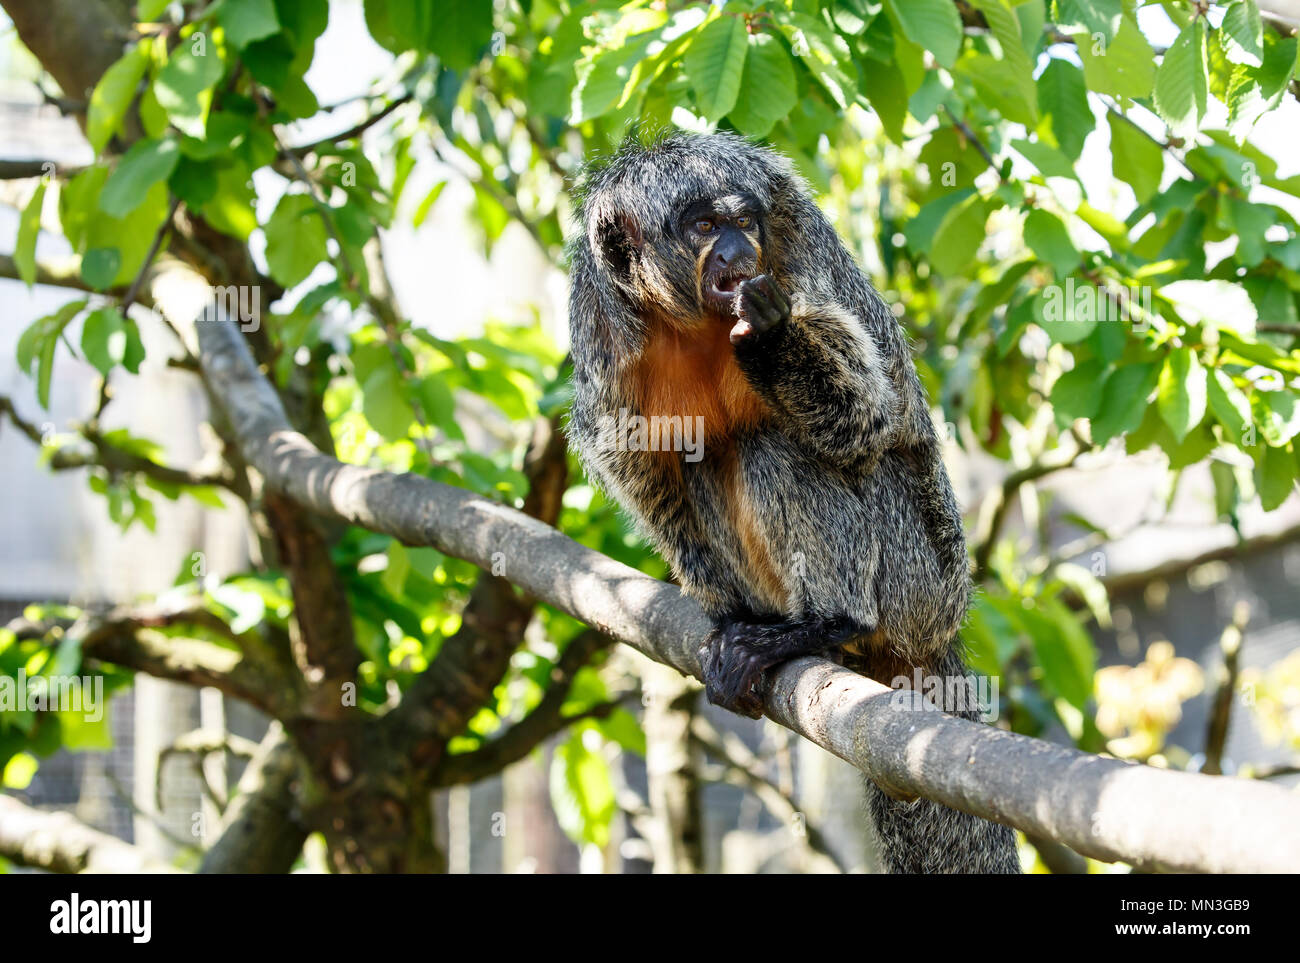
x=725, y=234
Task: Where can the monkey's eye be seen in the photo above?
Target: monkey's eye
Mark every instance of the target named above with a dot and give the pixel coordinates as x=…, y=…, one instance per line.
x=744, y=221
x=704, y=226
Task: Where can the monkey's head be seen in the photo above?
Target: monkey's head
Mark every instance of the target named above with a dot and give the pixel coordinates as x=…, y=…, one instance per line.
x=671, y=228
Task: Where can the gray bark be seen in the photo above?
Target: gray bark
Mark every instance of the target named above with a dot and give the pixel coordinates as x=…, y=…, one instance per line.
x=1100, y=807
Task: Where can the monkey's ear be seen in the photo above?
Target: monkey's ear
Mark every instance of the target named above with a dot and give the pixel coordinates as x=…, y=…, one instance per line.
x=619, y=241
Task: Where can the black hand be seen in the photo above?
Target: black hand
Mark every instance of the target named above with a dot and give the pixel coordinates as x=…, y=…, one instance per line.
x=762, y=304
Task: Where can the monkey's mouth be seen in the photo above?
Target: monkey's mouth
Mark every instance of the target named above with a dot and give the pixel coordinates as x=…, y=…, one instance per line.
x=721, y=291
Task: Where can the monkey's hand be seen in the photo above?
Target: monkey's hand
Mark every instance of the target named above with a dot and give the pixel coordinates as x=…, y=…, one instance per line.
x=760, y=306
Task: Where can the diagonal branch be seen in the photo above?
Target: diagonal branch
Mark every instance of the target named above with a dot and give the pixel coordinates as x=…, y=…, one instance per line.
x=1100, y=807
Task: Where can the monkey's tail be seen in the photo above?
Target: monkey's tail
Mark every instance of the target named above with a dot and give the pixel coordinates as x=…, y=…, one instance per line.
x=925, y=837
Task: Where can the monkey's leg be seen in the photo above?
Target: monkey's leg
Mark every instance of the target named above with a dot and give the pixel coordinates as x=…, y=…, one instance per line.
x=738, y=652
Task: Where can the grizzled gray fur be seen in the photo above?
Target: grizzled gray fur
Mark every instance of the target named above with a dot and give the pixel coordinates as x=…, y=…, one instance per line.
x=707, y=287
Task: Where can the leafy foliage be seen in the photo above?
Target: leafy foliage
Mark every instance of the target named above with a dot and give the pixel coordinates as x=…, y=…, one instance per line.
x=950, y=144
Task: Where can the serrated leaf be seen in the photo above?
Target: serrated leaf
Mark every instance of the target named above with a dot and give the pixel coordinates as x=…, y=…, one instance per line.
x=1181, y=392
x=933, y=24
x=1096, y=17
x=767, y=87
x=1075, y=393
x=1242, y=34
x=1182, y=81
x=1124, y=67
x=823, y=52
x=1063, y=100
x=714, y=63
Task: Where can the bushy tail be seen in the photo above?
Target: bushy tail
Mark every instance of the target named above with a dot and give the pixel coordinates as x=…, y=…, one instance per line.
x=925, y=837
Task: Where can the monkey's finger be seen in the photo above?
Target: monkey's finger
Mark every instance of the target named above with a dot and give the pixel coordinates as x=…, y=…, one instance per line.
x=741, y=330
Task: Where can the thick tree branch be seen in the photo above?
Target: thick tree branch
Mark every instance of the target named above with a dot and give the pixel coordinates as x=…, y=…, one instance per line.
x=261, y=832
x=1103, y=808
x=133, y=639
x=60, y=843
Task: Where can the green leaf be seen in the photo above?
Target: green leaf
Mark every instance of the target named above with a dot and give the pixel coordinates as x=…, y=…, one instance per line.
x=582, y=792
x=422, y=212
x=1124, y=67
x=1230, y=405
x=1181, y=393
x=29, y=227
x=1063, y=100
x=461, y=29
x=1242, y=34
x=1182, y=82
x=1049, y=160
x=99, y=266
x=1075, y=393
x=184, y=86
x=1015, y=59
x=143, y=166
x=1123, y=401
x=385, y=405
x=1048, y=238
x=113, y=94
x=1062, y=649
x=295, y=239
x=767, y=87
x=248, y=20
x=823, y=52
x=1135, y=158
x=1275, y=476
x=147, y=10
x=104, y=338
x=1095, y=17
x=959, y=236
x=934, y=24
x=1067, y=312
x=714, y=63
x=38, y=342
x=886, y=89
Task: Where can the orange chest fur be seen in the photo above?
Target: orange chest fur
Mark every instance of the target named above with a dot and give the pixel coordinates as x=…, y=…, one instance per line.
x=695, y=374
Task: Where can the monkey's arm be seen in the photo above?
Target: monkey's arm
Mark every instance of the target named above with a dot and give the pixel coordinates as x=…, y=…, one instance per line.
x=819, y=369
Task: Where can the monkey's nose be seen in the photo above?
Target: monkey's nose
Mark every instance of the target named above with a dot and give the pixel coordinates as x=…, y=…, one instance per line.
x=721, y=258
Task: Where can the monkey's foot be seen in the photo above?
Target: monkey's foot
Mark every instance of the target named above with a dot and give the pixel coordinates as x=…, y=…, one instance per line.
x=734, y=667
